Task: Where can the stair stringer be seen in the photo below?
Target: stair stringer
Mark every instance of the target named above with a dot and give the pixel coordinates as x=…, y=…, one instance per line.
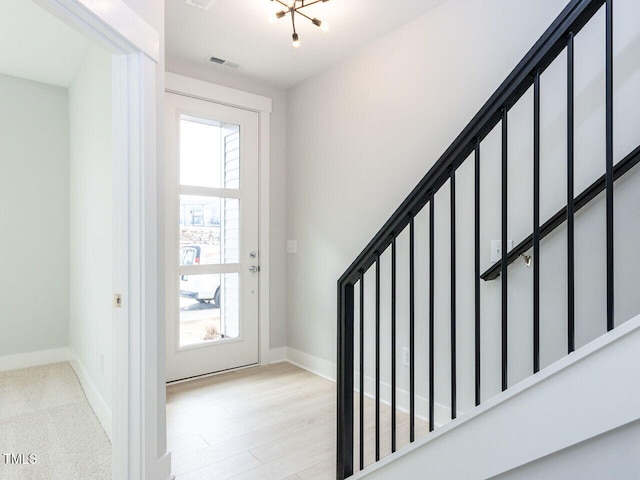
x=588, y=393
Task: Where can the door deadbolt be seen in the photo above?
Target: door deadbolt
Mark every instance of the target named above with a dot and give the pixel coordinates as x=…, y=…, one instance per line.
x=254, y=269
x=253, y=255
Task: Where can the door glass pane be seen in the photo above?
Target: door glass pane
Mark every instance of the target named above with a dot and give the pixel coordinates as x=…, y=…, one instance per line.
x=209, y=230
x=208, y=308
x=209, y=153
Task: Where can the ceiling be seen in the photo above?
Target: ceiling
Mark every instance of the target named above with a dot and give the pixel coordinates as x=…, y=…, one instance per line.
x=238, y=31
x=35, y=45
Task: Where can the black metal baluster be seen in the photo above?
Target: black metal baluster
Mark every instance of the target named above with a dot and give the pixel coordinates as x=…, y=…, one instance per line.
x=393, y=345
x=570, y=200
x=344, y=464
x=361, y=370
x=536, y=222
x=378, y=358
x=431, y=311
x=609, y=171
x=412, y=389
x=477, y=265
x=453, y=293
x=504, y=248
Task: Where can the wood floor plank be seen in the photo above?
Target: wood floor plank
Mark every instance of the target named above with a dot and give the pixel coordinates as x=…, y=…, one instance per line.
x=223, y=469
x=276, y=422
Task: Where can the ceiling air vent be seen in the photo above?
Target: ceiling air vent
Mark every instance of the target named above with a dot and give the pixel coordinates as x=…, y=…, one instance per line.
x=220, y=61
x=203, y=4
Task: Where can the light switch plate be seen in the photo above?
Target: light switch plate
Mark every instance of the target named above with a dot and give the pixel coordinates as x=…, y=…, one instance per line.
x=496, y=249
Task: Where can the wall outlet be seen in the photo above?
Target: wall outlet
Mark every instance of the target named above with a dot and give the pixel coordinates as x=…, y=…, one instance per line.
x=292, y=246
x=496, y=249
x=405, y=356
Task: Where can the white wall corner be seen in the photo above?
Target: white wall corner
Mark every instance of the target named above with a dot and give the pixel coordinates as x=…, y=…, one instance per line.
x=34, y=359
x=278, y=355
x=99, y=406
x=317, y=365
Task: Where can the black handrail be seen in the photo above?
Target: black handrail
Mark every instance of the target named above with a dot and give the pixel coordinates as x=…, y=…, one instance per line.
x=572, y=19
x=527, y=73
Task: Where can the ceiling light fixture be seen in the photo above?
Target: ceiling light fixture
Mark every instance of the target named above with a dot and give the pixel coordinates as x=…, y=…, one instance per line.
x=293, y=7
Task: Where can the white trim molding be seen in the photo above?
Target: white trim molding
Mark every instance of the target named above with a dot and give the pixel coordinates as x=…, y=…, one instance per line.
x=442, y=413
x=98, y=404
x=278, y=355
x=319, y=366
x=327, y=369
x=136, y=407
x=34, y=359
x=210, y=92
x=113, y=17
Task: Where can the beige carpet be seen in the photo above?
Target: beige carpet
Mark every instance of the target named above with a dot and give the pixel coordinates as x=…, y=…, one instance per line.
x=44, y=412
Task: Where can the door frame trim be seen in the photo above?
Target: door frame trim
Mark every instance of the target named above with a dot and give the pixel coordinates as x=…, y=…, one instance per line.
x=138, y=435
x=191, y=87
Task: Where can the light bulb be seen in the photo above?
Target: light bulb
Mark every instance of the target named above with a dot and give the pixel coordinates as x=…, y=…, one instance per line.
x=324, y=26
x=296, y=40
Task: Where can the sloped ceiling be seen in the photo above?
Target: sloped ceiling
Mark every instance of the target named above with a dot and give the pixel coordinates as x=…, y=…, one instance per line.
x=36, y=46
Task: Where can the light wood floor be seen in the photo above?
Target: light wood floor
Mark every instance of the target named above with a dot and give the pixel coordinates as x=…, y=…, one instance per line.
x=274, y=422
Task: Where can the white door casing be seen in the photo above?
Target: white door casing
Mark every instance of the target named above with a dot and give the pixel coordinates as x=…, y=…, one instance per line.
x=137, y=450
x=221, y=278
x=194, y=88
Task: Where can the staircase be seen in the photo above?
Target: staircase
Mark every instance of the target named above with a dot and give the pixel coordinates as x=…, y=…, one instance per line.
x=428, y=327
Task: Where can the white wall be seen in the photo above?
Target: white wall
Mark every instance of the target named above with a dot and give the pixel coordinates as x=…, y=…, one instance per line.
x=91, y=220
x=277, y=202
x=360, y=136
x=34, y=217
x=612, y=455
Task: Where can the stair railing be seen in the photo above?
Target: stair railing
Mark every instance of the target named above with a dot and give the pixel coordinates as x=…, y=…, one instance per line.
x=558, y=38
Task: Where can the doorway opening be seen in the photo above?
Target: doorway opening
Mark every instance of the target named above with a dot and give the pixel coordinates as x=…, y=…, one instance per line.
x=57, y=246
x=213, y=237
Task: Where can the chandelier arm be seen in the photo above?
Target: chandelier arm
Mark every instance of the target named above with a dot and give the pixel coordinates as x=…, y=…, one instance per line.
x=311, y=3
x=305, y=16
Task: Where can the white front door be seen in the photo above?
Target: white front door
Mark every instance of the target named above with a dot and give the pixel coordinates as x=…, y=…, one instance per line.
x=212, y=237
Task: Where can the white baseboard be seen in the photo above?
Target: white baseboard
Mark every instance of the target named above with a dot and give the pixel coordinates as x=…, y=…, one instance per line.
x=34, y=359
x=319, y=366
x=99, y=406
x=326, y=369
x=442, y=413
x=164, y=467
x=278, y=355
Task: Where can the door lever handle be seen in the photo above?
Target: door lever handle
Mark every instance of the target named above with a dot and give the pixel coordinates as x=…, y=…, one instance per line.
x=254, y=269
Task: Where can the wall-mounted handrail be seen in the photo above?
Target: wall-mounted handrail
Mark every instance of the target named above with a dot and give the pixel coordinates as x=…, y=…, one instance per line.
x=557, y=37
x=591, y=192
